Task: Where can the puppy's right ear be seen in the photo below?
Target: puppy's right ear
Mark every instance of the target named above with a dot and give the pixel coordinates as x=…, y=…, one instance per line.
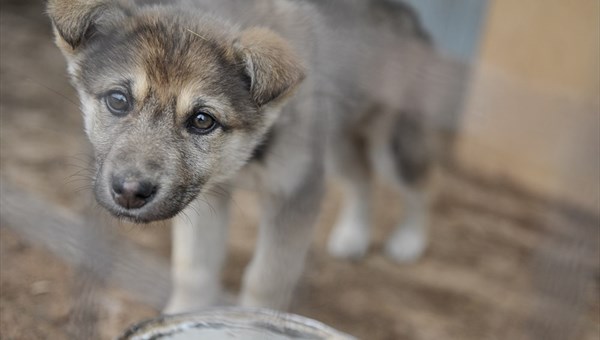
x=78, y=21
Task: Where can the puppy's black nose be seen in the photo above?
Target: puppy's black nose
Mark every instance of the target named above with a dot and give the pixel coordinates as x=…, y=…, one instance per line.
x=132, y=194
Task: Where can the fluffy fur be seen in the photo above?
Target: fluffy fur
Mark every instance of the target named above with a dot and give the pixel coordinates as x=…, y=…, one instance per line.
x=291, y=84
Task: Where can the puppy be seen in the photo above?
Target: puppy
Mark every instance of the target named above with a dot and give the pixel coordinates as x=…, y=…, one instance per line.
x=183, y=100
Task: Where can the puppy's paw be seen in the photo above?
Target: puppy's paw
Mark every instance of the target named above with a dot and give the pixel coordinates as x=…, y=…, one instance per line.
x=193, y=293
x=180, y=304
x=349, y=240
x=407, y=244
x=266, y=296
x=185, y=304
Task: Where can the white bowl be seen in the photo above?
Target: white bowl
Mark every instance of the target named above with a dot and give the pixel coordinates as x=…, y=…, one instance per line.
x=233, y=323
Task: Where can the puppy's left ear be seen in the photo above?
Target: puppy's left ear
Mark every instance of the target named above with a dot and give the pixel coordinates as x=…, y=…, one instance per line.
x=270, y=63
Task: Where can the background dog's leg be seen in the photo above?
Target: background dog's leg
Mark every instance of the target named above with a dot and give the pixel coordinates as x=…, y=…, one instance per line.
x=199, y=237
x=284, y=238
x=404, y=157
x=351, y=234
x=409, y=240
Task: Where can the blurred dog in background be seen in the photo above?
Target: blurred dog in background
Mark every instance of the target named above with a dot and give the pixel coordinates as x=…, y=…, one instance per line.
x=184, y=100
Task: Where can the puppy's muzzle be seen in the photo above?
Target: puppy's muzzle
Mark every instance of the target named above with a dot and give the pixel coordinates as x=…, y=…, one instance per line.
x=132, y=193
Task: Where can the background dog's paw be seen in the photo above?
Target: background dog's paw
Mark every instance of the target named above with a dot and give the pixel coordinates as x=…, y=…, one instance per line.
x=407, y=244
x=349, y=240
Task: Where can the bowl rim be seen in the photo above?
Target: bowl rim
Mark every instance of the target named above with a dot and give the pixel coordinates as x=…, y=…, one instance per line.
x=237, y=317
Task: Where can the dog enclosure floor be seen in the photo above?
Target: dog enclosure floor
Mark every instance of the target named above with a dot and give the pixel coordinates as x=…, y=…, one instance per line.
x=502, y=263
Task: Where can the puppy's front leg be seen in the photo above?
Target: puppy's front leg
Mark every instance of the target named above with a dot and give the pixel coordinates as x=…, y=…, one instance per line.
x=199, y=237
x=284, y=238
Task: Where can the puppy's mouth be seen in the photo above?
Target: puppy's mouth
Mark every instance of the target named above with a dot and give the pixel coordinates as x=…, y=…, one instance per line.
x=162, y=207
x=142, y=215
x=138, y=218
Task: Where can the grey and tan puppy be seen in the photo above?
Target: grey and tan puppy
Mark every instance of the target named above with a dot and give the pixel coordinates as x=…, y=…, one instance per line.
x=184, y=100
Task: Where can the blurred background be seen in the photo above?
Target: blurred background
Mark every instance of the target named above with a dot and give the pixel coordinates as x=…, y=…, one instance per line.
x=515, y=250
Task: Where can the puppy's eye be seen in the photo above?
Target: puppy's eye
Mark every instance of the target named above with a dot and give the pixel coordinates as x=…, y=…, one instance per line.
x=117, y=103
x=201, y=123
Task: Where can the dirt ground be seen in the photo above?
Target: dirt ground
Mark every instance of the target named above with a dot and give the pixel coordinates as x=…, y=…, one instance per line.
x=502, y=264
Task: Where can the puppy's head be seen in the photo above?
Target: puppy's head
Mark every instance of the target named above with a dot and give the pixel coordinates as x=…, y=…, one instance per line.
x=173, y=103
